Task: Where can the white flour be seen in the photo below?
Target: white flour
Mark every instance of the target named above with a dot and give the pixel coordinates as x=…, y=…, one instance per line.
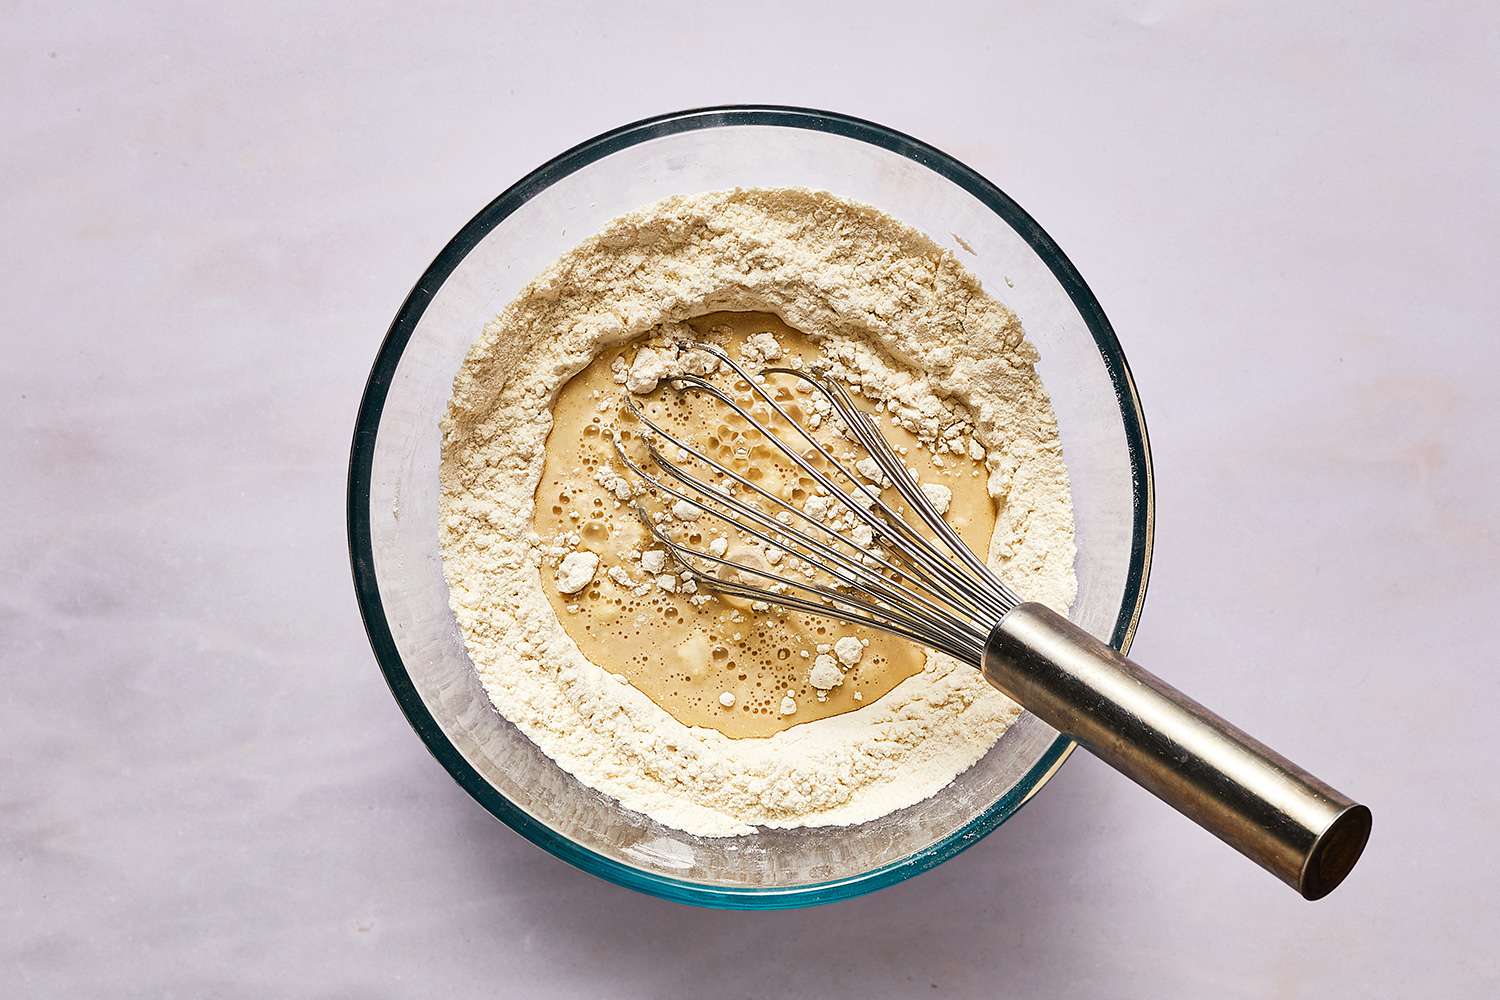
x=869, y=289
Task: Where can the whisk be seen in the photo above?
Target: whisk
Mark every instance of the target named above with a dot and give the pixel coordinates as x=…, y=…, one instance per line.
x=901, y=568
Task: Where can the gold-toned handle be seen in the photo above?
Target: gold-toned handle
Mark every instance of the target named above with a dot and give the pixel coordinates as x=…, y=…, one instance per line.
x=1295, y=826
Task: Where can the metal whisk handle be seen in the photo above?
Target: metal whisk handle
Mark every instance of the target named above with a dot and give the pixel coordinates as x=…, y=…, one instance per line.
x=1261, y=804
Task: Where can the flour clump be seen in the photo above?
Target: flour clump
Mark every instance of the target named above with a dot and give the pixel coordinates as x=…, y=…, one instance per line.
x=575, y=571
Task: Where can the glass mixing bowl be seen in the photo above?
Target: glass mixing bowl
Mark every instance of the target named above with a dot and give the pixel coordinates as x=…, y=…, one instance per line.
x=393, y=488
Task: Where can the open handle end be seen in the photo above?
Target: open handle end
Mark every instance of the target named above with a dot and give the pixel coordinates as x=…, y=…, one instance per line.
x=1335, y=851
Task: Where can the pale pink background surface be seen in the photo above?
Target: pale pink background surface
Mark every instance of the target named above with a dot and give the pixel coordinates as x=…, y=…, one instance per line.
x=210, y=216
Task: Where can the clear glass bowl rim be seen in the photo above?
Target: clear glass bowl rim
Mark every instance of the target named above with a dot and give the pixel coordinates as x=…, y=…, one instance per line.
x=372, y=403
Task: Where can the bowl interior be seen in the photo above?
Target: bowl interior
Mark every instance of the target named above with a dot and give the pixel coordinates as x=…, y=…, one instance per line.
x=394, y=488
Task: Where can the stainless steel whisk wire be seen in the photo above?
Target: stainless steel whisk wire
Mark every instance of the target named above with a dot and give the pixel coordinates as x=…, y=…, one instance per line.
x=922, y=595
x=1291, y=823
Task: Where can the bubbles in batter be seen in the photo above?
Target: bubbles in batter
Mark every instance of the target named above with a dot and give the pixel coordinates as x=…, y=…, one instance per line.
x=747, y=670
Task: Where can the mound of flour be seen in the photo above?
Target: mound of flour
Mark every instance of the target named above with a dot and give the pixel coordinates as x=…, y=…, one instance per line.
x=886, y=303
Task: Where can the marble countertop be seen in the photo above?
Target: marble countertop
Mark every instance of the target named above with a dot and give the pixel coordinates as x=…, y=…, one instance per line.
x=211, y=215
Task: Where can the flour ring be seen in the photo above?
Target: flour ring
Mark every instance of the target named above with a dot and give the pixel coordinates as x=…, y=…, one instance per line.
x=849, y=276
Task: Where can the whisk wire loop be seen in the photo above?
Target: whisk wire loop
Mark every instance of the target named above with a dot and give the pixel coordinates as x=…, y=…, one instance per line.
x=899, y=581
x=854, y=568
x=868, y=436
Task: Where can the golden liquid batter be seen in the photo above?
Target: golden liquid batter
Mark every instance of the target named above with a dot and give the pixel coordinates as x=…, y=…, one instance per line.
x=715, y=663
